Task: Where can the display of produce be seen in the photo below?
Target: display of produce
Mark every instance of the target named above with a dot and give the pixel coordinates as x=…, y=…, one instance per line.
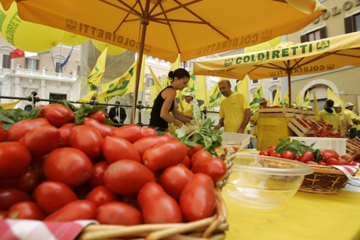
x=62, y=163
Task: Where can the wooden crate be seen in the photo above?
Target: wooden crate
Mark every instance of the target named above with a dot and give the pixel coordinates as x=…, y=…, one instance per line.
x=308, y=113
x=353, y=146
x=277, y=112
x=299, y=128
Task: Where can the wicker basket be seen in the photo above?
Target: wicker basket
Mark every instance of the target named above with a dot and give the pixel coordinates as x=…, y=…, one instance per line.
x=325, y=180
x=209, y=228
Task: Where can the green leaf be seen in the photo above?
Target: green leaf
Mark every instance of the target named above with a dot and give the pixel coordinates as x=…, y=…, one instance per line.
x=85, y=109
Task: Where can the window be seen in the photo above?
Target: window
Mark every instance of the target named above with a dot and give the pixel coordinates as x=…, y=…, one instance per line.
x=56, y=97
x=314, y=35
x=32, y=64
x=273, y=94
x=352, y=23
x=255, y=81
x=6, y=61
x=275, y=79
x=58, y=67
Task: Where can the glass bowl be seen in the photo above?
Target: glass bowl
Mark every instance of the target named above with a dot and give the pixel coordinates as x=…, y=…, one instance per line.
x=264, y=182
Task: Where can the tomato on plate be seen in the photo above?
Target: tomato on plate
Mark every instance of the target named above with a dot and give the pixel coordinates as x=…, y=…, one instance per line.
x=118, y=213
x=157, y=206
x=76, y=210
x=26, y=210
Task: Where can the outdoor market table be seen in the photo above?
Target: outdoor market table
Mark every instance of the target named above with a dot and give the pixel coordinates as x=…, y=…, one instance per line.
x=305, y=216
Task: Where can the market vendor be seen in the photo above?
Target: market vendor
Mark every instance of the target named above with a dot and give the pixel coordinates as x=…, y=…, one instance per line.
x=328, y=115
x=350, y=114
x=345, y=123
x=234, y=110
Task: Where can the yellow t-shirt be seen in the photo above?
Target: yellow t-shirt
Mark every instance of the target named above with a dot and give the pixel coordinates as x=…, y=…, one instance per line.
x=344, y=123
x=232, y=109
x=331, y=118
x=187, y=109
x=350, y=114
x=255, y=118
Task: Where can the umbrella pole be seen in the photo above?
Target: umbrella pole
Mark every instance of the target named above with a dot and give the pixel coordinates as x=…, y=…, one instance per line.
x=289, y=85
x=144, y=23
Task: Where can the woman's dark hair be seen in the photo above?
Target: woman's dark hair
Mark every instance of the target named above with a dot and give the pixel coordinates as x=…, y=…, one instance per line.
x=179, y=73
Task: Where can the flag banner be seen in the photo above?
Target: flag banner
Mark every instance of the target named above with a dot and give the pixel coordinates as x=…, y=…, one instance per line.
x=268, y=102
x=307, y=99
x=276, y=100
x=88, y=97
x=298, y=100
x=9, y=105
x=258, y=94
x=243, y=87
x=93, y=80
x=123, y=85
x=154, y=89
x=17, y=53
x=331, y=95
x=285, y=100
x=214, y=96
x=167, y=81
x=67, y=59
x=316, y=106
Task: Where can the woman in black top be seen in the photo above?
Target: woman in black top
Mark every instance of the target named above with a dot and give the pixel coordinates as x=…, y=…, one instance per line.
x=164, y=102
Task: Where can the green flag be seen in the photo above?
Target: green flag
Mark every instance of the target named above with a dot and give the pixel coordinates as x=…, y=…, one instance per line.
x=258, y=94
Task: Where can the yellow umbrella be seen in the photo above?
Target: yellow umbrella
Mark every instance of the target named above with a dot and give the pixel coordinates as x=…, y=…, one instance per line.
x=287, y=59
x=164, y=28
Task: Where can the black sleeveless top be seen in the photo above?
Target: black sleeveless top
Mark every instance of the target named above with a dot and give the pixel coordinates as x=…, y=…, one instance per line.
x=155, y=119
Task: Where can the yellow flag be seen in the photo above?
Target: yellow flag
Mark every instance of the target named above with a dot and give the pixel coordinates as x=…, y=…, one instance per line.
x=93, y=80
x=199, y=87
x=331, y=95
x=276, y=101
x=243, y=87
x=299, y=99
x=154, y=89
x=123, y=85
x=214, y=96
x=285, y=99
x=307, y=99
x=167, y=81
x=258, y=94
x=268, y=102
x=9, y=105
x=316, y=106
x=88, y=97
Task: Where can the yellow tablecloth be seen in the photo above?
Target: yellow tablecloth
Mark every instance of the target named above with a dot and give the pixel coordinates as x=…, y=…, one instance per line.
x=305, y=216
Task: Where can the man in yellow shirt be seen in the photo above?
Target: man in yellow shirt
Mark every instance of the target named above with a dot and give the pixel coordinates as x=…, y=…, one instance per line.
x=328, y=115
x=350, y=114
x=234, y=110
x=345, y=123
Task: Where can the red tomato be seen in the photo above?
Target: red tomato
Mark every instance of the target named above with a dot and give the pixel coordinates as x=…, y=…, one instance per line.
x=98, y=115
x=41, y=140
x=97, y=178
x=271, y=151
x=198, y=201
x=296, y=157
x=329, y=153
x=165, y=154
x=264, y=153
x=211, y=166
x=37, y=164
x=25, y=182
x=271, y=146
x=118, y=213
x=192, y=150
x=68, y=165
x=117, y=148
x=104, y=130
x=186, y=162
x=321, y=162
x=2, y=133
x=288, y=155
x=10, y=196
x=132, y=133
x=14, y=159
x=347, y=157
x=101, y=195
x=312, y=163
x=26, y=210
x=127, y=177
x=76, y=210
x=157, y=206
x=275, y=154
x=65, y=134
x=57, y=114
x=86, y=139
x=19, y=129
x=51, y=196
x=148, y=142
x=200, y=154
x=332, y=161
x=306, y=156
x=174, y=179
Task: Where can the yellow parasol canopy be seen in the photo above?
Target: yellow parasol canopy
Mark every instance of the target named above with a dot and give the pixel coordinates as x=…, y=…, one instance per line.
x=287, y=59
x=167, y=28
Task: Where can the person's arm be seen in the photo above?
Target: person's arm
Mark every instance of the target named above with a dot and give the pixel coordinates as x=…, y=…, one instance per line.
x=169, y=96
x=220, y=124
x=245, y=122
x=180, y=116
